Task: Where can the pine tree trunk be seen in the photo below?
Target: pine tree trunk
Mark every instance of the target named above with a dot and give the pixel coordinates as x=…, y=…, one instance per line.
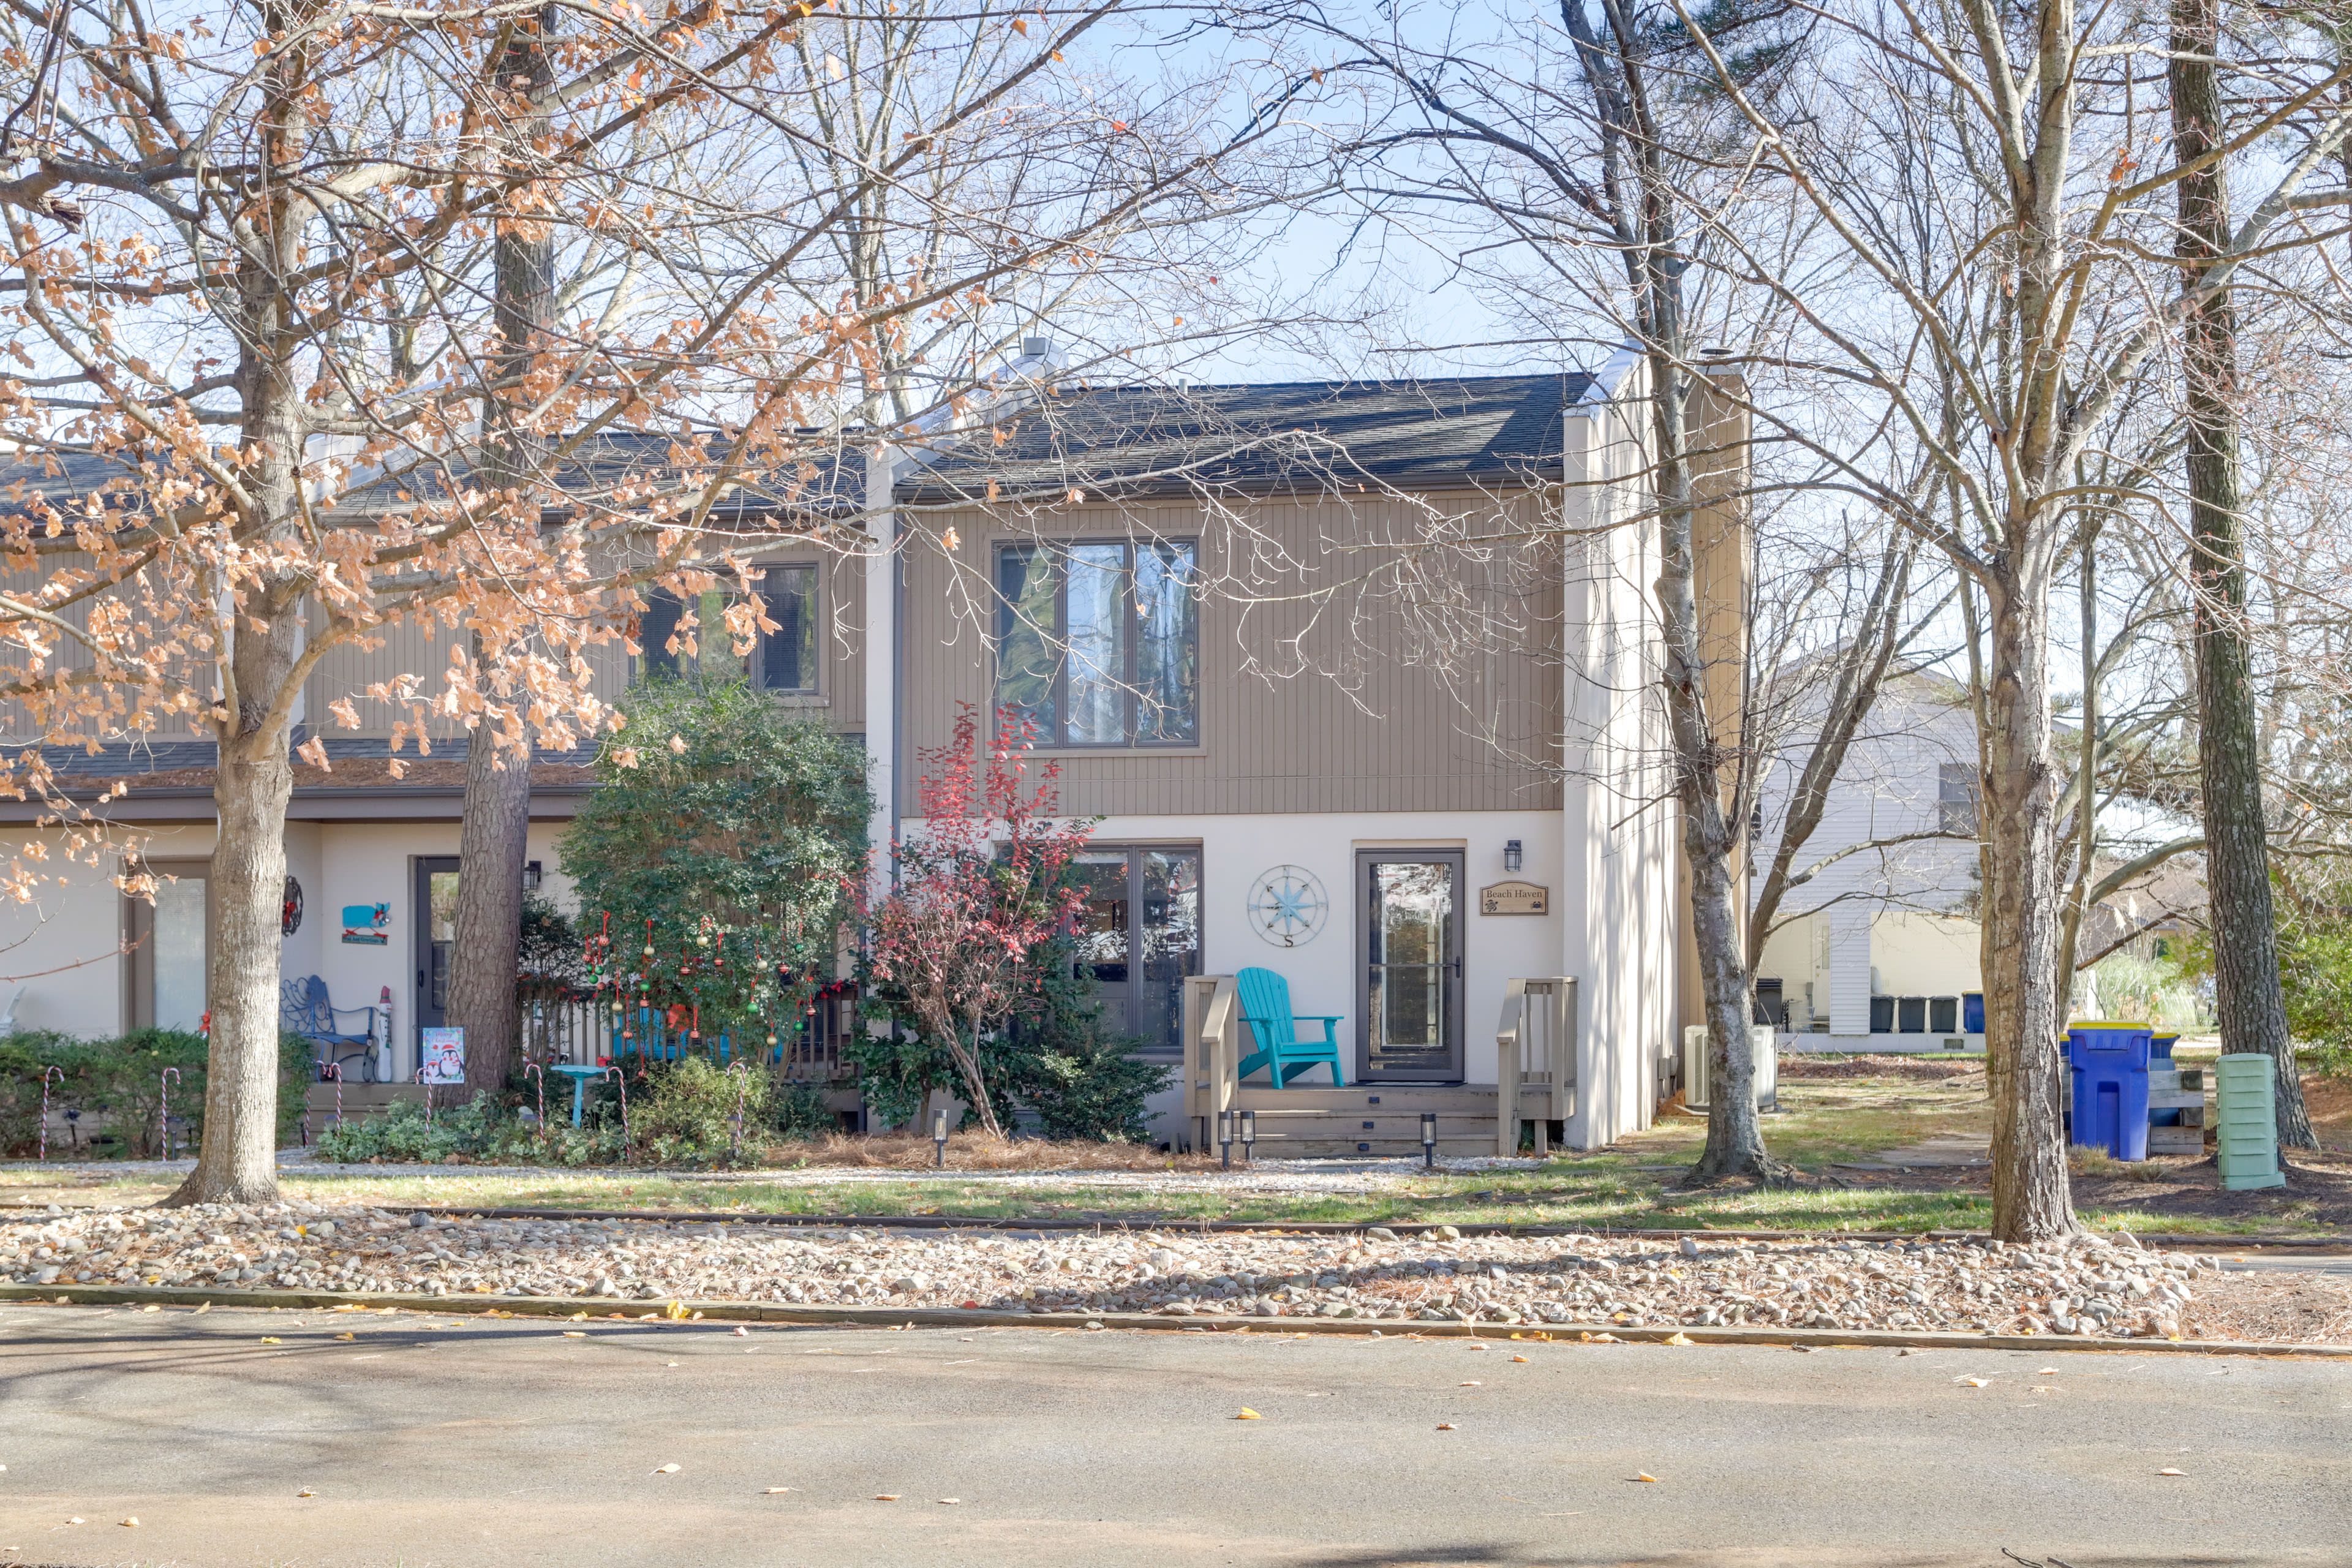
x=490, y=851
x=2032, y=1198
x=493, y=843
x=2248, y=1002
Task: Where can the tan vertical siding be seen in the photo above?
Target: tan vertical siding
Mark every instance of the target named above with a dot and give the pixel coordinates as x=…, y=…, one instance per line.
x=1319, y=693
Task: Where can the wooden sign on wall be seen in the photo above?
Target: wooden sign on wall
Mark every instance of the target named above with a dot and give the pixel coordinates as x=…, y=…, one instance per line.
x=1515, y=899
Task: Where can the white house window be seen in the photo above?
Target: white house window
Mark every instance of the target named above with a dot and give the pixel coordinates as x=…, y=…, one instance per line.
x=785, y=659
x=1956, y=798
x=1100, y=643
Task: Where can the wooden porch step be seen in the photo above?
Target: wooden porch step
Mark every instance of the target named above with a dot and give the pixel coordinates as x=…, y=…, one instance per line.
x=1363, y=1149
x=1292, y=1125
x=1370, y=1099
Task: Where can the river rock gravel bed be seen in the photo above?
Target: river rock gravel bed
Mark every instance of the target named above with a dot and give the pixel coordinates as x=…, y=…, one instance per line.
x=2093, y=1286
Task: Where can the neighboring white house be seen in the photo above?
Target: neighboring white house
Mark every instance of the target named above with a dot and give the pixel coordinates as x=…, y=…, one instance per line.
x=1878, y=948
x=1388, y=807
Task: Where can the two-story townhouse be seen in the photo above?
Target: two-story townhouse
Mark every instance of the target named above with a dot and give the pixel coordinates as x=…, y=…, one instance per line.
x=1398, y=795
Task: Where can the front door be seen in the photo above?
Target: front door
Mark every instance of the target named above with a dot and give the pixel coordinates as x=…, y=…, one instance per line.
x=436, y=936
x=1409, y=931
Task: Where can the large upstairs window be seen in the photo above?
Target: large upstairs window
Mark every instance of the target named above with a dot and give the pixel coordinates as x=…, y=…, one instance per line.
x=1100, y=643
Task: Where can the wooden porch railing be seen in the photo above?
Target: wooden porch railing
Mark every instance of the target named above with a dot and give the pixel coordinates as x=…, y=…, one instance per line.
x=1212, y=1053
x=1535, y=1054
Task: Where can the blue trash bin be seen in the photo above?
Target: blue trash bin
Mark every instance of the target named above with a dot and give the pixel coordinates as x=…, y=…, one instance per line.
x=1972, y=1013
x=2110, y=1068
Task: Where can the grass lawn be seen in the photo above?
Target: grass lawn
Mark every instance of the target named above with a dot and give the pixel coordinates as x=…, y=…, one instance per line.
x=1824, y=1122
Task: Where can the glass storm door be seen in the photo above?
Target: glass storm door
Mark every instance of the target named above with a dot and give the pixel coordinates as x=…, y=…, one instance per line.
x=436, y=936
x=1408, y=918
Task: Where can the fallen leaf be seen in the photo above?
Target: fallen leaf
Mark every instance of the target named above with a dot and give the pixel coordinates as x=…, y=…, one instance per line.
x=885, y=1496
x=1446, y=1426
x=1974, y=1382
x=741, y=1333
x=575, y=1333
x=773, y=1490
x=306, y=1494
x=347, y=1336
x=665, y=1469
x=2047, y=1372
x=269, y=1340
x=130, y=1523
x=951, y=1499
x=2171, y=1472
x=1248, y=1415
x=1640, y=1476
x=76, y=1520
x=1518, y=1358
x=1472, y=1384
x=579, y=1316
x=1677, y=1338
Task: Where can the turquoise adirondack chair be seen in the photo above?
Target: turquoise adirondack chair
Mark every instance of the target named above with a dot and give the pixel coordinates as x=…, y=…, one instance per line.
x=1266, y=1005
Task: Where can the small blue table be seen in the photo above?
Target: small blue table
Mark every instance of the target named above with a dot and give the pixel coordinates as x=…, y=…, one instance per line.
x=579, y=1076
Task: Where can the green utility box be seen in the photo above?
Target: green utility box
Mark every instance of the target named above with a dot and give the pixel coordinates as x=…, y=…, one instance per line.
x=2247, y=1106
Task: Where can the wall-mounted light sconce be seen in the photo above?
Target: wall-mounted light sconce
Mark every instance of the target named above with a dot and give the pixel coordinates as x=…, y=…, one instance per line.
x=1513, y=856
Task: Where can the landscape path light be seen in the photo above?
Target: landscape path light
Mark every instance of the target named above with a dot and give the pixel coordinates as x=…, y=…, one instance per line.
x=1429, y=1140
x=1249, y=1136
x=940, y=1138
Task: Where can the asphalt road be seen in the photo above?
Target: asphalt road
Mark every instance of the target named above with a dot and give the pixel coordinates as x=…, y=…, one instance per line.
x=505, y=1442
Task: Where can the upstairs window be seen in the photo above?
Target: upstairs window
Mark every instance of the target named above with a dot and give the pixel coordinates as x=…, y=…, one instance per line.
x=785, y=659
x=1099, y=644
x=1956, y=798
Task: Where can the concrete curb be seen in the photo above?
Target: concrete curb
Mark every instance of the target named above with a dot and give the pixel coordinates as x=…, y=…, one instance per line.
x=599, y=1309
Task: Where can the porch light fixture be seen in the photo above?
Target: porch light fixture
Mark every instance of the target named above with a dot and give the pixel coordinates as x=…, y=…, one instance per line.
x=1249, y=1135
x=1429, y=1140
x=939, y=1137
x=1513, y=856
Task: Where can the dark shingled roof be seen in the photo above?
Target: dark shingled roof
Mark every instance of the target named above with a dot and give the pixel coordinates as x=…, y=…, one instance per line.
x=1307, y=437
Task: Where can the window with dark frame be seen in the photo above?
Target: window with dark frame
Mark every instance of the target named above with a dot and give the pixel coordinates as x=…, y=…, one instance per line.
x=1956, y=798
x=1099, y=642
x=785, y=661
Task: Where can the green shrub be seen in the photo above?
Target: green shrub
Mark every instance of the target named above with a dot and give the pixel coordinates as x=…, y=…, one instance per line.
x=679, y=1113
x=688, y=1115
x=119, y=1085
x=803, y=1110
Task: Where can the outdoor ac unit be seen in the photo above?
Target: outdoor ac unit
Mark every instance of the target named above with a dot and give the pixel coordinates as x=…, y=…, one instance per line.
x=1695, y=1075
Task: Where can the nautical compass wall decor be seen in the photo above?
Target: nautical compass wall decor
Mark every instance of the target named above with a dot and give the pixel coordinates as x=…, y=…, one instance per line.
x=1287, y=905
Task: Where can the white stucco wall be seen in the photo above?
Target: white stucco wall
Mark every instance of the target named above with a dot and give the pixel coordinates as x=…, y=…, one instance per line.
x=1924, y=955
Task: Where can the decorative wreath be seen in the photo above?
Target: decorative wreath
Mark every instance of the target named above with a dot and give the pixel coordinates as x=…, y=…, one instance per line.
x=290, y=919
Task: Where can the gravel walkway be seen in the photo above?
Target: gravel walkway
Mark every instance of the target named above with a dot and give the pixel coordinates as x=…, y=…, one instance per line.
x=2092, y=1287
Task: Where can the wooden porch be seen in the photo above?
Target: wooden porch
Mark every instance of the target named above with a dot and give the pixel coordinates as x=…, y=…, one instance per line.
x=1534, y=1042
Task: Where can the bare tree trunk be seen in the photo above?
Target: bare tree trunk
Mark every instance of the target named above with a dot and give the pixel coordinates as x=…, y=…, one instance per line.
x=2032, y=1199
x=1734, y=1138
x=2248, y=1003
x=237, y=1160
x=261, y=625
x=494, y=840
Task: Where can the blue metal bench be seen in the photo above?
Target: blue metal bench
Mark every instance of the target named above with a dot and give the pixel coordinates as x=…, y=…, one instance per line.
x=303, y=1009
